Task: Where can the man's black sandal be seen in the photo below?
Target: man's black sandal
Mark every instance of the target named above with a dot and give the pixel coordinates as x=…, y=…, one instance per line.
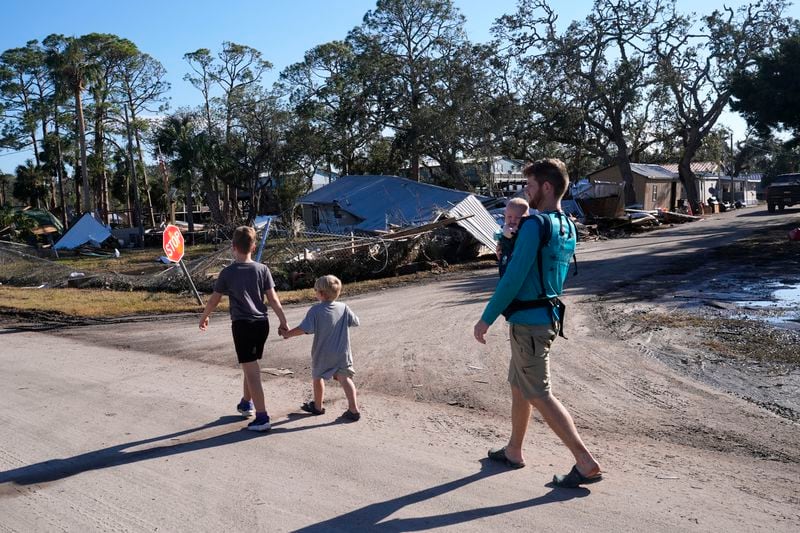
x=309, y=407
x=499, y=455
x=575, y=479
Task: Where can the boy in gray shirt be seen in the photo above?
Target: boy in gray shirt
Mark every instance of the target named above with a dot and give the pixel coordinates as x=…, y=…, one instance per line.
x=329, y=321
x=246, y=283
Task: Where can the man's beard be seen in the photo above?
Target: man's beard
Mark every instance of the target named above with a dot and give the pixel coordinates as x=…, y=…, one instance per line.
x=536, y=199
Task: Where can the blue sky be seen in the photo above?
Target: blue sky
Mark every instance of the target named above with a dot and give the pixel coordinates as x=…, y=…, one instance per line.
x=281, y=29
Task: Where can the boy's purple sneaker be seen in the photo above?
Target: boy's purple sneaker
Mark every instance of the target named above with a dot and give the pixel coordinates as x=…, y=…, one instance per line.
x=246, y=409
x=261, y=423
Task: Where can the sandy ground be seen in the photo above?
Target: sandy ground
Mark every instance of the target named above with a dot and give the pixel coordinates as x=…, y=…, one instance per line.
x=128, y=426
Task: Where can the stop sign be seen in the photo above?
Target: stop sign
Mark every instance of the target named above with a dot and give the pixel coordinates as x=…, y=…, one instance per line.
x=173, y=243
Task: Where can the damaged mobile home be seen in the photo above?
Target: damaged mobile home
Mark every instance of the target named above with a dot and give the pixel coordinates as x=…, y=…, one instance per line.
x=380, y=205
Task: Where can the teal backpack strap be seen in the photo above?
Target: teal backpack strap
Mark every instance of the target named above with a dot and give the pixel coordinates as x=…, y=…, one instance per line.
x=573, y=230
x=545, y=231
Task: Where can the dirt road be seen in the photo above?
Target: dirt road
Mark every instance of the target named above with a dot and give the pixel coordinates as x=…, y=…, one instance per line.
x=128, y=426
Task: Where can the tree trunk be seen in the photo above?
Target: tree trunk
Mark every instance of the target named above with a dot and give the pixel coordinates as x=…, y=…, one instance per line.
x=76, y=176
x=226, y=203
x=53, y=200
x=99, y=152
x=27, y=104
x=144, y=177
x=624, y=163
x=82, y=143
x=189, y=203
x=689, y=180
x=132, y=161
x=141, y=162
x=60, y=170
x=236, y=213
x=104, y=198
x=128, y=205
x=169, y=200
x=53, y=196
x=212, y=197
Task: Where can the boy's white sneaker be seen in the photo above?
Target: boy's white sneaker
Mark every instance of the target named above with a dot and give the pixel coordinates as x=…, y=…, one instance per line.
x=246, y=409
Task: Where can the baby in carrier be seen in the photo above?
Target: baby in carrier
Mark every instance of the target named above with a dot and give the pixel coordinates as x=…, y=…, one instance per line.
x=516, y=210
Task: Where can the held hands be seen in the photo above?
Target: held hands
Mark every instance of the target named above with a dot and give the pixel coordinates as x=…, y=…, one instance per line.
x=282, y=330
x=204, y=323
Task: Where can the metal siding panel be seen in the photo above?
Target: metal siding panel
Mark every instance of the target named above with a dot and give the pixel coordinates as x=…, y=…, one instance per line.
x=481, y=225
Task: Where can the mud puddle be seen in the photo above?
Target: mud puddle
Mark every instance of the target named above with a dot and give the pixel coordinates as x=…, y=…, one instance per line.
x=732, y=320
x=773, y=302
x=781, y=309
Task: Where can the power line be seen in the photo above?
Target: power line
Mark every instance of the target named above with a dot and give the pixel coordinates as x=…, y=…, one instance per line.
x=15, y=153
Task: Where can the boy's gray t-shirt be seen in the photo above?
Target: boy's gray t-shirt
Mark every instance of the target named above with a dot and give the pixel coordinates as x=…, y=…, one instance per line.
x=245, y=285
x=330, y=351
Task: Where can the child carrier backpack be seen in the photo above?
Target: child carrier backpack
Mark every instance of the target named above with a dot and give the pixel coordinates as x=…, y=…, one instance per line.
x=545, y=232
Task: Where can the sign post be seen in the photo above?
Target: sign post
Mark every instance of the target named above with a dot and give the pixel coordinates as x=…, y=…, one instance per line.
x=262, y=222
x=173, y=248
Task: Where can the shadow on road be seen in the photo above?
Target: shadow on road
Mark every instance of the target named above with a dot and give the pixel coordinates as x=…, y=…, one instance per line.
x=764, y=213
x=292, y=417
x=369, y=518
x=56, y=469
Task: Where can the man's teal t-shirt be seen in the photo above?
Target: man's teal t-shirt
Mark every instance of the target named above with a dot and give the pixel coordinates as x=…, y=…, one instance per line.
x=521, y=279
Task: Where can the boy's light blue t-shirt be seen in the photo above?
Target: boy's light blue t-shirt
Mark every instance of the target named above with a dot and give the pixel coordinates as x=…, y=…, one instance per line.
x=329, y=322
x=521, y=278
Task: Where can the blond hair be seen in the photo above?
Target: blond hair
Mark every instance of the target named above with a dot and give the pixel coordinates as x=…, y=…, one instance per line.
x=518, y=203
x=329, y=286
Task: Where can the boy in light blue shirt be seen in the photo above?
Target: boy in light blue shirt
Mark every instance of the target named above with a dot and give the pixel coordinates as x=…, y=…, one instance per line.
x=331, y=357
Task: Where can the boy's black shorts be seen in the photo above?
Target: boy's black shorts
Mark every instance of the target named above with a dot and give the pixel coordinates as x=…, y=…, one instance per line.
x=249, y=337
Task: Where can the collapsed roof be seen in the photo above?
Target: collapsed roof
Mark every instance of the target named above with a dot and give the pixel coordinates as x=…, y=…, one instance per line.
x=87, y=229
x=379, y=202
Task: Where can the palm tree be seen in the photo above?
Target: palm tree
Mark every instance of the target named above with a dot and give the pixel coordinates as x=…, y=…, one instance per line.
x=178, y=140
x=75, y=66
x=29, y=186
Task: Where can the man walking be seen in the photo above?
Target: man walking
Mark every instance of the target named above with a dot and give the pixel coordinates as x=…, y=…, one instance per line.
x=527, y=295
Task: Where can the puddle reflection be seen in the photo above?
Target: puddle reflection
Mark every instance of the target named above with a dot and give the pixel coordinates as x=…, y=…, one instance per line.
x=781, y=304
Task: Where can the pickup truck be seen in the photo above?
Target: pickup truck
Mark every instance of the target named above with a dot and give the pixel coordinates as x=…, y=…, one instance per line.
x=783, y=191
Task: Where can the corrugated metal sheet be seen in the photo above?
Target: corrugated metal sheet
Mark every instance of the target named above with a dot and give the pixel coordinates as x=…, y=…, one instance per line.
x=653, y=171
x=87, y=229
x=698, y=167
x=480, y=225
x=382, y=200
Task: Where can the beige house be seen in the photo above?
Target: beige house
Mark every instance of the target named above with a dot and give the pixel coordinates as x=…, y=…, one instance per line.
x=654, y=186
x=712, y=181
